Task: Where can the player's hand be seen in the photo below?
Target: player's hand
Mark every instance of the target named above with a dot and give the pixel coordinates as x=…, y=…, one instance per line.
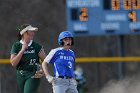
x=24, y=46
x=74, y=82
x=38, y=74
x=50, y=78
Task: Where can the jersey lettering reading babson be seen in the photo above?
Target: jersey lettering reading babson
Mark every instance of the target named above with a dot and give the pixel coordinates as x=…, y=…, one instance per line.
x=29, y=51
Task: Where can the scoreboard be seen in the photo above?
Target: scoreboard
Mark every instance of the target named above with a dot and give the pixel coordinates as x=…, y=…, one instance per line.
x=103, y=17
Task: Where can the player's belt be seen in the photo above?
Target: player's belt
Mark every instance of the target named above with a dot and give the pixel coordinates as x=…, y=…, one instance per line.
x=65, y=77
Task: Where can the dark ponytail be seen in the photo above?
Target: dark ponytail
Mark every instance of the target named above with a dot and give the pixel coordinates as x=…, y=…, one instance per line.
x=19, y=36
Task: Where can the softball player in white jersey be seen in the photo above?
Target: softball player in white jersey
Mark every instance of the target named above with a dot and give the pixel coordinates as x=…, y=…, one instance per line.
x=63, y=60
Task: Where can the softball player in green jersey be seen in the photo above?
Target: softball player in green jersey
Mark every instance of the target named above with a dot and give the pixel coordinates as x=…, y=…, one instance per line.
x=25, y=56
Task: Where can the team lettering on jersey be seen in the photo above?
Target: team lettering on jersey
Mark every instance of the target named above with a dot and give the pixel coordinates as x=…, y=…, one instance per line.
x=29, y=51
x=67, y=58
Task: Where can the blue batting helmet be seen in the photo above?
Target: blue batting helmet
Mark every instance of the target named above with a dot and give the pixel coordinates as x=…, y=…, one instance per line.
x=64, y=34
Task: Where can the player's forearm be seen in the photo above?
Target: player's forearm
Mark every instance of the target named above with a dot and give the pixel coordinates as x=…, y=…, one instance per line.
x=15, y=59
x=45, y=68
x=42, y=54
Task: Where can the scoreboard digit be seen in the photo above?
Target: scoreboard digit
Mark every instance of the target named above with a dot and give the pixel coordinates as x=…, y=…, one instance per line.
x=83, y=14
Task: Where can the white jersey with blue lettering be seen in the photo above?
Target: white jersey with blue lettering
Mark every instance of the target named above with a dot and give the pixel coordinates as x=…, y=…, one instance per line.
x=62, y=60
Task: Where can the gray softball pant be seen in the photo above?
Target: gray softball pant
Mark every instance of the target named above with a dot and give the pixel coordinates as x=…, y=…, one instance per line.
x=61, y=85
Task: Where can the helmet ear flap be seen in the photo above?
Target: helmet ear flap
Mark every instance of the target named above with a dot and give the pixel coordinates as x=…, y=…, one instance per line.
x=72, y=43
x=61, y=42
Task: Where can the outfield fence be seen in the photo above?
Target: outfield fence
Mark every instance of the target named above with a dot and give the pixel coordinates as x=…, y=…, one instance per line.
x=94, y=59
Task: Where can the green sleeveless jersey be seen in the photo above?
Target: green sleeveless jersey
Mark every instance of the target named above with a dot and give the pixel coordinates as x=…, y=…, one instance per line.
x=30, y=58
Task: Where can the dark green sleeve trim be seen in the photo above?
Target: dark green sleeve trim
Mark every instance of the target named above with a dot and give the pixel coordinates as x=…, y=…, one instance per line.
x=15, y=48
